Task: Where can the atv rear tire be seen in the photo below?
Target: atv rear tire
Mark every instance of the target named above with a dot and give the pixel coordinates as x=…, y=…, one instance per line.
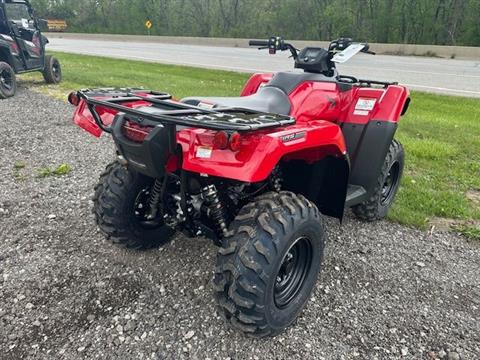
x=52, y=71
x=377, y=206
x=268, y=266
x=114, y=207
x=8, y=82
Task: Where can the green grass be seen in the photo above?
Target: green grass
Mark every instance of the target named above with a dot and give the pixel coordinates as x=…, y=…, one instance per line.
x=441, y=134
x=60, y=170
x=93, y=71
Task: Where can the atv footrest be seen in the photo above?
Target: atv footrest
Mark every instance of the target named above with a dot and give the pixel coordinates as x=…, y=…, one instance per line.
x=355, y=195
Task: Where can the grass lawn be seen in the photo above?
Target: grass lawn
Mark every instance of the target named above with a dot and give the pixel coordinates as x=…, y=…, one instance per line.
x=441, y=134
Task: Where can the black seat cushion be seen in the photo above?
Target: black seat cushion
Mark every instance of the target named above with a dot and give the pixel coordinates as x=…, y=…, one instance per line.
x=267, y=99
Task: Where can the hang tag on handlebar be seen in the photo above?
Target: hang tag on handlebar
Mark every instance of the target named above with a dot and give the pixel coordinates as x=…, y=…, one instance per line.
x=348, y=53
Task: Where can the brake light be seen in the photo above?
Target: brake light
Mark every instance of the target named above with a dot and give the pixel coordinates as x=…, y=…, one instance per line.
x=220, y=140
x=136, y=132
x=14, y=48
x=73, y=98
x=235, y=141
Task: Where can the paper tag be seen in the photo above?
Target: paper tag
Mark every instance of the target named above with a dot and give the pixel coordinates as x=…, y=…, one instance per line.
x=365, y=104
x=204, y=152
x=348, y=53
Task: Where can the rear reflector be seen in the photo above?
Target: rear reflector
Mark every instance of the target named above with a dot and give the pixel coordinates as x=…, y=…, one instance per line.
x=73, y=98
x=135, y=132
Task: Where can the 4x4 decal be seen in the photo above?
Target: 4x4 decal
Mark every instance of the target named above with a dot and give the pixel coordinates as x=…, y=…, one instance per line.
x=291, y=137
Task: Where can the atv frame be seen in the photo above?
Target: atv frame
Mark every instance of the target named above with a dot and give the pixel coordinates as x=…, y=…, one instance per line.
x=252, y=173
x=22, y=46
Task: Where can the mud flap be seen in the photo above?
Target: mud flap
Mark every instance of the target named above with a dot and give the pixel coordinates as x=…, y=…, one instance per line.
x=368, y=145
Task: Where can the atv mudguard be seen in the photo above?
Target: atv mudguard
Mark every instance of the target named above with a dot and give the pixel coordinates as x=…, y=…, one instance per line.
x=6, y=54
x=260, y=152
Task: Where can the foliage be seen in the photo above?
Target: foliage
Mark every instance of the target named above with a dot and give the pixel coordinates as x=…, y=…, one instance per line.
x=19, y=165
x=62, y=169
x=450, y=22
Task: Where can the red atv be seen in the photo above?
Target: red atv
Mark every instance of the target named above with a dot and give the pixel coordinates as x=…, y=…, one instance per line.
x=254, y=173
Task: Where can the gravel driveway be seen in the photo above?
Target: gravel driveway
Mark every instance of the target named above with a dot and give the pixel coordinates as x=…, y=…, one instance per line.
x=386, y=291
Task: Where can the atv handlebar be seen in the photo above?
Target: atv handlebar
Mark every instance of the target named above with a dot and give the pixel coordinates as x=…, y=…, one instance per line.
x=274, y=44
x=277, y=43
x=258, y=43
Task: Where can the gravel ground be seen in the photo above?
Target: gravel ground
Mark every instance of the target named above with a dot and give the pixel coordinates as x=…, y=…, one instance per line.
x=386, y=291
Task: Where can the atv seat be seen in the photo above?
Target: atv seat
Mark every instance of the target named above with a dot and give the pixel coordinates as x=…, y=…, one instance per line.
x=267, y=99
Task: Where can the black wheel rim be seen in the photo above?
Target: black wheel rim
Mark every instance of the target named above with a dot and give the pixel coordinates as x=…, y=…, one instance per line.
x=293, y=271
x=390, y=185
x=56, y=70
x=141, y=206
x=6, y=79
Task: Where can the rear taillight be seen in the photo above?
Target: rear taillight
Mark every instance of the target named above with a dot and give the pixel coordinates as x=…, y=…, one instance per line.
x=14, y=49
x=73, y=98
x=136, y=132
x=220, y=140
x=235, y=141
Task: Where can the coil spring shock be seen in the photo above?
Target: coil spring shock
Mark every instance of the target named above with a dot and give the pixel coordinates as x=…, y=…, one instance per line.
x=276, y=179
x=154, y=202
x=217, y=213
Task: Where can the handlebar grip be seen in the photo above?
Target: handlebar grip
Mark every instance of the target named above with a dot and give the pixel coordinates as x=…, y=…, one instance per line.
x=258, y=43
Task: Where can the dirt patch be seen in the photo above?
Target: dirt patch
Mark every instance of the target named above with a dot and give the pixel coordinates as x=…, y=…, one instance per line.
x=473, y=196
x=444, y=224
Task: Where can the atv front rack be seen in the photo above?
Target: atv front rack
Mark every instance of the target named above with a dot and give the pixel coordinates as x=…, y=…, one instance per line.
x=160, y=108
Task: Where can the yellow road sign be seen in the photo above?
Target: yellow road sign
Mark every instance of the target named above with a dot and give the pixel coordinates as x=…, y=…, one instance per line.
x=148, y=24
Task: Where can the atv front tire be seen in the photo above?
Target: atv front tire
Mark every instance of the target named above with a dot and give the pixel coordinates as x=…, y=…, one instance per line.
x=268, y=266
x=116, y=196
x=377, y=206
x=52, y=71
x=8, y=82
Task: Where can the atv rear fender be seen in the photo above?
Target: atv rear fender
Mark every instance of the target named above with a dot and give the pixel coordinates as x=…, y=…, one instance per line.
x=260, y=152
x=255, y=82
x=84, y=119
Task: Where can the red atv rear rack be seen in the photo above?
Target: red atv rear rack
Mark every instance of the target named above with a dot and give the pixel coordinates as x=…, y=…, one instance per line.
x=160, y=108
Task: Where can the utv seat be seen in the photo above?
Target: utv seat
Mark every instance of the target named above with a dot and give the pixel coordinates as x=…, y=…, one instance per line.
x=267, y=99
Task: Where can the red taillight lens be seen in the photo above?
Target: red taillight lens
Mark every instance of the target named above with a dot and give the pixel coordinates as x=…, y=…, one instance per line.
x=73, y=98
x=220, y=140
x=136, y=132
x=235, y=141
x=14, y=48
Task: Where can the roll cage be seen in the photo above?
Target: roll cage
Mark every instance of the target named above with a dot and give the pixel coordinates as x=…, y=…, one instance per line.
x=22, y=45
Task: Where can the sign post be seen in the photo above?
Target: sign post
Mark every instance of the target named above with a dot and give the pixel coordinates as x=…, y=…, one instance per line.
x=148, y=25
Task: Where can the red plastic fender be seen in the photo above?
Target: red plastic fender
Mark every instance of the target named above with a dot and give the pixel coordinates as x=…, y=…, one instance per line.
x=255, y=81
x=260, y=152
x=84, y=119
x=389, y=104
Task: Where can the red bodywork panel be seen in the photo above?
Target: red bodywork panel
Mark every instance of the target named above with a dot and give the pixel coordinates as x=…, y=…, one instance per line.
x=319, y=108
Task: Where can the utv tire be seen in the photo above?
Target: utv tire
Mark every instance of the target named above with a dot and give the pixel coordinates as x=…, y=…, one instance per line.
x=269, y=264
x=8, y=82
x=114, y=208
x=52, y=72
x=377, y=206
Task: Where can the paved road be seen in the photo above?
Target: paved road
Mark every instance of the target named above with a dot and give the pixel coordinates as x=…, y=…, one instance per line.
x=446, y=76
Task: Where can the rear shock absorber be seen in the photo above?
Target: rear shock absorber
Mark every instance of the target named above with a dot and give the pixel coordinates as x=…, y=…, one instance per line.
x=154, y=202
x=217, y=212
